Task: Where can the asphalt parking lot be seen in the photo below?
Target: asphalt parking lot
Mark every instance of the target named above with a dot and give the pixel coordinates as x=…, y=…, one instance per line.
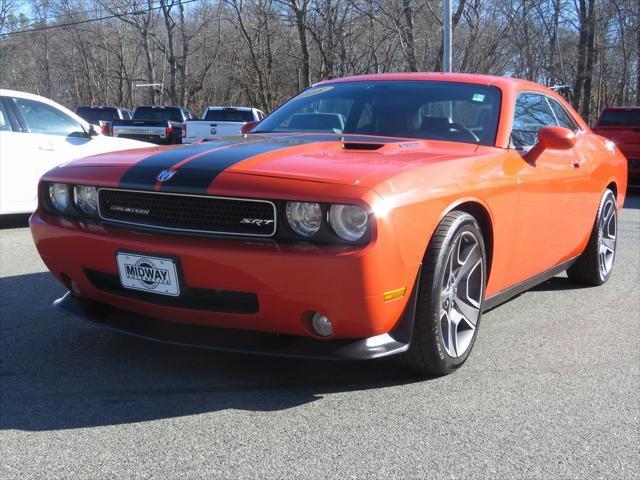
x=552, y=390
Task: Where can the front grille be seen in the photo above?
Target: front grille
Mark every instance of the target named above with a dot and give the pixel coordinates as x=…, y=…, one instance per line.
x=191, y=298
x=189, y=213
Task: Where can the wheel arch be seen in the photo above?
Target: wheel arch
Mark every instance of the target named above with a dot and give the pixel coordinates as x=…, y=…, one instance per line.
x=481, y=213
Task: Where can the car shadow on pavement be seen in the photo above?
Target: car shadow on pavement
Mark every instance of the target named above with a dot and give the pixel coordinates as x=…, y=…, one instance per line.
x=57, y=372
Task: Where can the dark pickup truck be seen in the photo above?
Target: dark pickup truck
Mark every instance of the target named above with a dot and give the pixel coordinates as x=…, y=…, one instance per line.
x=103, y=116
x=621, y=125
x=161, y=125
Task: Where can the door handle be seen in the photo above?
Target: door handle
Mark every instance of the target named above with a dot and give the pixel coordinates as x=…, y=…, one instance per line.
x=46, y=148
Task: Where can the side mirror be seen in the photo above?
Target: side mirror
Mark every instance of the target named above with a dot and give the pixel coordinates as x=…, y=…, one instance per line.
x=92, y=131
x=247, y=127
x=556, y=138
x=553, y=138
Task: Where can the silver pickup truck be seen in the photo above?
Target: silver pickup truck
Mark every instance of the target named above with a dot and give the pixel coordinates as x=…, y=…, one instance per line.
x=219, y=121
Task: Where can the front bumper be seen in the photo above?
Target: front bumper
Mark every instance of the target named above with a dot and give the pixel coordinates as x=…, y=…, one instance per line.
x=243, y=341
x=290, y=281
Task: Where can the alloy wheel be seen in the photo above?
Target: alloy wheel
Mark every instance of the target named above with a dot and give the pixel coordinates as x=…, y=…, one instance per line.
x=607, y=237
x=461, y=294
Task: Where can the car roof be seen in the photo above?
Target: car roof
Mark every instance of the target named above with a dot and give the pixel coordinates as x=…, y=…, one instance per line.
x=504, y=83
x=161, y=106
x=100, y=106
x=245, y=109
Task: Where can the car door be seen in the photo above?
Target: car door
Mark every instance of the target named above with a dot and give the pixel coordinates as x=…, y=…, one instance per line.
x=15, y=163
x=584, y=196
x=546, y=233
x=50, y=136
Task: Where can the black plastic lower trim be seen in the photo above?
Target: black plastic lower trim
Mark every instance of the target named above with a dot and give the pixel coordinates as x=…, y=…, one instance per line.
x=244, y=341
x=190, y=298
x=521, y=287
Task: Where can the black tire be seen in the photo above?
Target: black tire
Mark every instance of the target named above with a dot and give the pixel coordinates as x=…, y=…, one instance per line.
x=428, y=353
x=593, y=267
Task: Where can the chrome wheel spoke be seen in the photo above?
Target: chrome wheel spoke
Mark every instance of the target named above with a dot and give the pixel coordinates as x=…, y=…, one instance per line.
x=463, y=332
x=473, y=258
x=448, y=328
x=467, y=311
x=454, y=263
x=609, y=214
x=608, y=244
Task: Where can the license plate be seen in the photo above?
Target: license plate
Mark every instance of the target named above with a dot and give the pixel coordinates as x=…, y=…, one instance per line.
x=148, y=273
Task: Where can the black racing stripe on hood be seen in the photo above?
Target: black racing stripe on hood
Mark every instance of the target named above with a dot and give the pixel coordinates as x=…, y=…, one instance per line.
x=196, y=176
x=143, y=174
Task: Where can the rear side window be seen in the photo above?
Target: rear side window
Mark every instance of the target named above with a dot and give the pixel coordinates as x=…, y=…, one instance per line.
x=229, y=115
x=5, y=126
x=158, y=114
x=564, y=119
x=620, y=118
x=42, y=118
x=95, y=114
x=532, y=113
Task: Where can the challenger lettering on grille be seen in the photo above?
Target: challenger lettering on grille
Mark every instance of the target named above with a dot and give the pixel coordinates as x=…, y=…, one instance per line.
x=139, y=211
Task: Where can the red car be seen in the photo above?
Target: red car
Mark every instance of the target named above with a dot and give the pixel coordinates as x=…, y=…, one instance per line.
x=621, y=125
x=368, y=216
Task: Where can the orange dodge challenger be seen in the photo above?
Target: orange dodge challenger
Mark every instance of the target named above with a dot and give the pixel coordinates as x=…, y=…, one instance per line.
x=368, y=216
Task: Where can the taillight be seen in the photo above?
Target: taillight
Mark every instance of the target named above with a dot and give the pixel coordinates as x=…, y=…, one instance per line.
x=184, y=130
x=104, y=129
x=169, y=130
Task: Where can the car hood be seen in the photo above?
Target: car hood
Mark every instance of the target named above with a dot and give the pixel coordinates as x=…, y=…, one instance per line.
x=345, y=160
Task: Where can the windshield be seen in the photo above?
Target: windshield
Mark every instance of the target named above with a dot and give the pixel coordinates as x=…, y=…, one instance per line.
x=159, y=114
x=95, y=114
x=229, y=115
x=448, y=111
x=620, y=118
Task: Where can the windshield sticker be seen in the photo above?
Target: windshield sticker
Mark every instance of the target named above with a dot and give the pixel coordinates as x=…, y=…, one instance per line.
x=314, y=91
x=478, y=97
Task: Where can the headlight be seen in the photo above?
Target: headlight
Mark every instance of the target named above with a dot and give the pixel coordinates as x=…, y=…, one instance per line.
x=348, y=221
x=59, y=196
x=304, y=218
x=86, y=198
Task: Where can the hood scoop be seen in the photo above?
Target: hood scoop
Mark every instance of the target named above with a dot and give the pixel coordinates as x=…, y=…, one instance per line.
x=362, y=146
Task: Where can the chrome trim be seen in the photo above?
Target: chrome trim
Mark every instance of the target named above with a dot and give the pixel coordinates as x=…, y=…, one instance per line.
x=236, y=234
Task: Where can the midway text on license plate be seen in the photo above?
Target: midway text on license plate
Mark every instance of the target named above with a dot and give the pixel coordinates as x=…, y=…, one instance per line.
x=148, y=273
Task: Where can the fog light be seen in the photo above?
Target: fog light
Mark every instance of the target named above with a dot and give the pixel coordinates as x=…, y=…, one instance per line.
x=321, y=325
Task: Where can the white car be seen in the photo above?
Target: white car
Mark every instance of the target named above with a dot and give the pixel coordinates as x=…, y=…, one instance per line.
x=37, y=134
x=219, y=122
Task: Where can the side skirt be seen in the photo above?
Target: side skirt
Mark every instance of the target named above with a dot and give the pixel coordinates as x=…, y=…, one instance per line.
x=521, y=287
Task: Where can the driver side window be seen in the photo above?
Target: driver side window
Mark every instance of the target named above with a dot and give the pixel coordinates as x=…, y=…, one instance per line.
x=532, y=113
x=43, y=118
